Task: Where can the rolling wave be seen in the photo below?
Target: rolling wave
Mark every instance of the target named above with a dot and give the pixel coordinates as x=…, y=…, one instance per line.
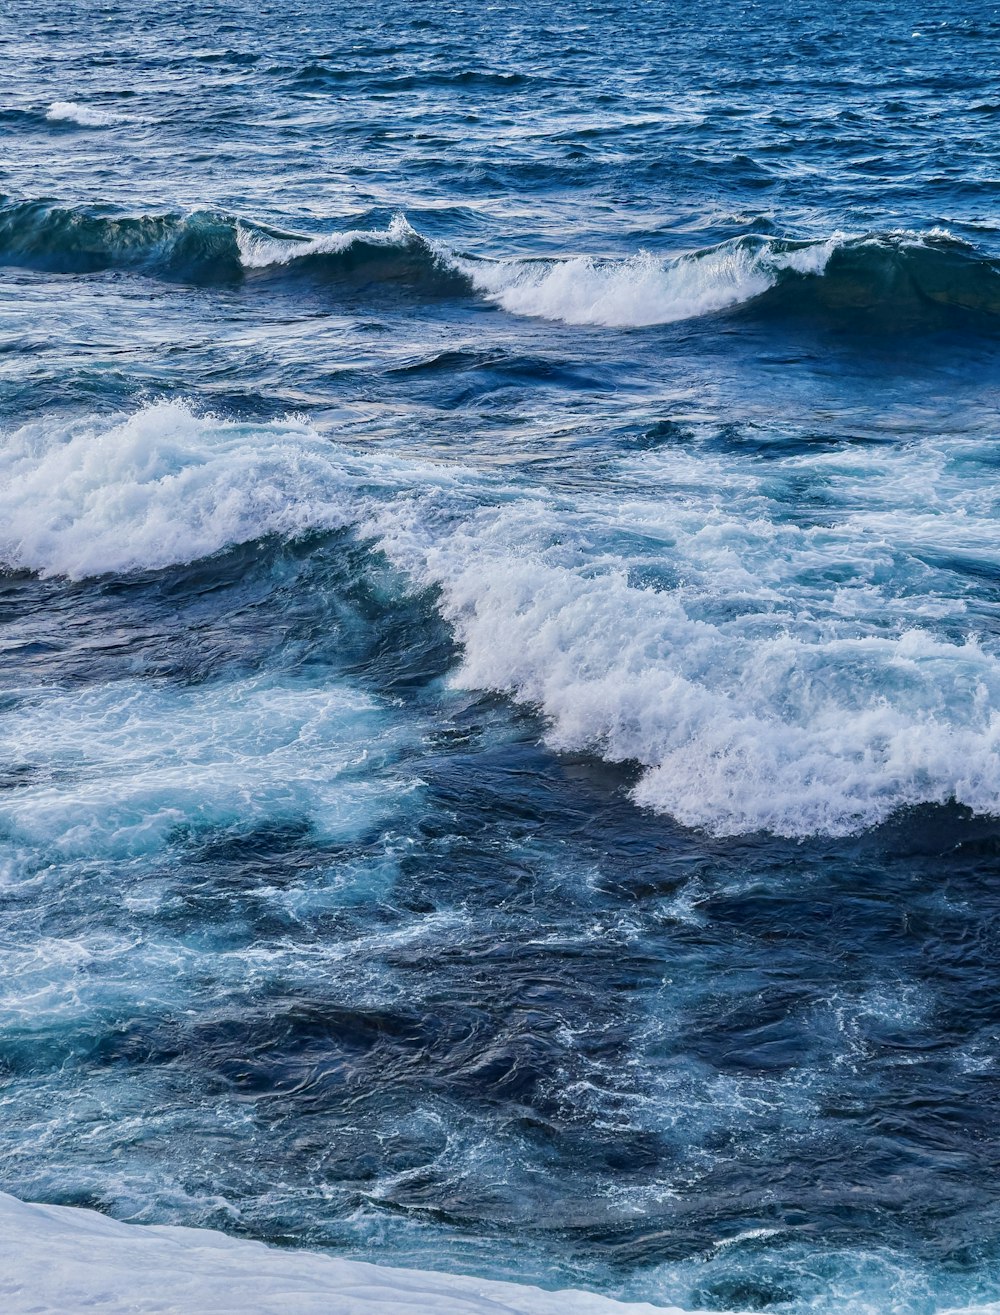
x=396, y=255
x=201, y=246
x=894, y=279
x=889, y=280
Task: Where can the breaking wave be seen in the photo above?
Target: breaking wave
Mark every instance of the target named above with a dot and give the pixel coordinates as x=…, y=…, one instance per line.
x=83, y=116
x=769, y=691
x=894, y=281
x=397, y=255
x=899, y=280
x=645, y=289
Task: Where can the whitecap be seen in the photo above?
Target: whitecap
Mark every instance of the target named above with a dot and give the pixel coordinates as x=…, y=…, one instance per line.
x=622, y=293
x=643, y=289
x=85, y=116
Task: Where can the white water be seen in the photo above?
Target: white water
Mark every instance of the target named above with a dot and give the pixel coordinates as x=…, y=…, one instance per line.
x=644, y=289
x=259, y=252
x=86, y=116
x=114, y=770
x=795, y=674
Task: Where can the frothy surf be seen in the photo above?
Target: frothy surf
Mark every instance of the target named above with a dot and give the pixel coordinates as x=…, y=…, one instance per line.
x=437, y=755
x=765, y=688
x=118, y=769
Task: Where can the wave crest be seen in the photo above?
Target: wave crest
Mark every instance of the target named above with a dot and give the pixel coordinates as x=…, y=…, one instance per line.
x=397, y=255
x=893, y=280
x=644, y=289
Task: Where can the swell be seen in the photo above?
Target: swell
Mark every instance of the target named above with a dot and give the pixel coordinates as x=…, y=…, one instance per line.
x=890, y=282
x=906, y=278
x=201, y=246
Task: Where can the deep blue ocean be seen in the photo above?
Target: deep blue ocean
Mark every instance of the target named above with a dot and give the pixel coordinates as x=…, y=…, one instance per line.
x=500, y=636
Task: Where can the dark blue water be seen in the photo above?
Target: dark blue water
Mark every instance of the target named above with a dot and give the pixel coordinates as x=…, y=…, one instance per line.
x=500, y=651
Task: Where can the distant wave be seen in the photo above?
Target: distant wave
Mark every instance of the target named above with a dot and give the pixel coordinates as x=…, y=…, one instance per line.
x=319, y=76
x=897, y=280
x=738, y=723
x=84, y=116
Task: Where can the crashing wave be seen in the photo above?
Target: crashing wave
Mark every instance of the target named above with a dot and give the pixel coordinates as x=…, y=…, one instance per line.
x=749, y=700
x=644, y=289
x=897, y=279
x=901, y=275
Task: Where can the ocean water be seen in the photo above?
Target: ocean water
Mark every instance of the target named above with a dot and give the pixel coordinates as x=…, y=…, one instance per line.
x=499, y=637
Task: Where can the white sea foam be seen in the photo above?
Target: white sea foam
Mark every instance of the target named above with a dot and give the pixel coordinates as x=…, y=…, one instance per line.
x=163, y=486
x=644, y=289
x=115, y=770
x=793, y=677
x=795, y=733
x=86, y=116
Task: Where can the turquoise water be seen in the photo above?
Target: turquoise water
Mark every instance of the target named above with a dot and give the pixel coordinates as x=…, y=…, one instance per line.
x=499, y=655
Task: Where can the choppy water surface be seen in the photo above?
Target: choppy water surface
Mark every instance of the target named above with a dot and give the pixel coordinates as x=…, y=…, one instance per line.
x=500, y=664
